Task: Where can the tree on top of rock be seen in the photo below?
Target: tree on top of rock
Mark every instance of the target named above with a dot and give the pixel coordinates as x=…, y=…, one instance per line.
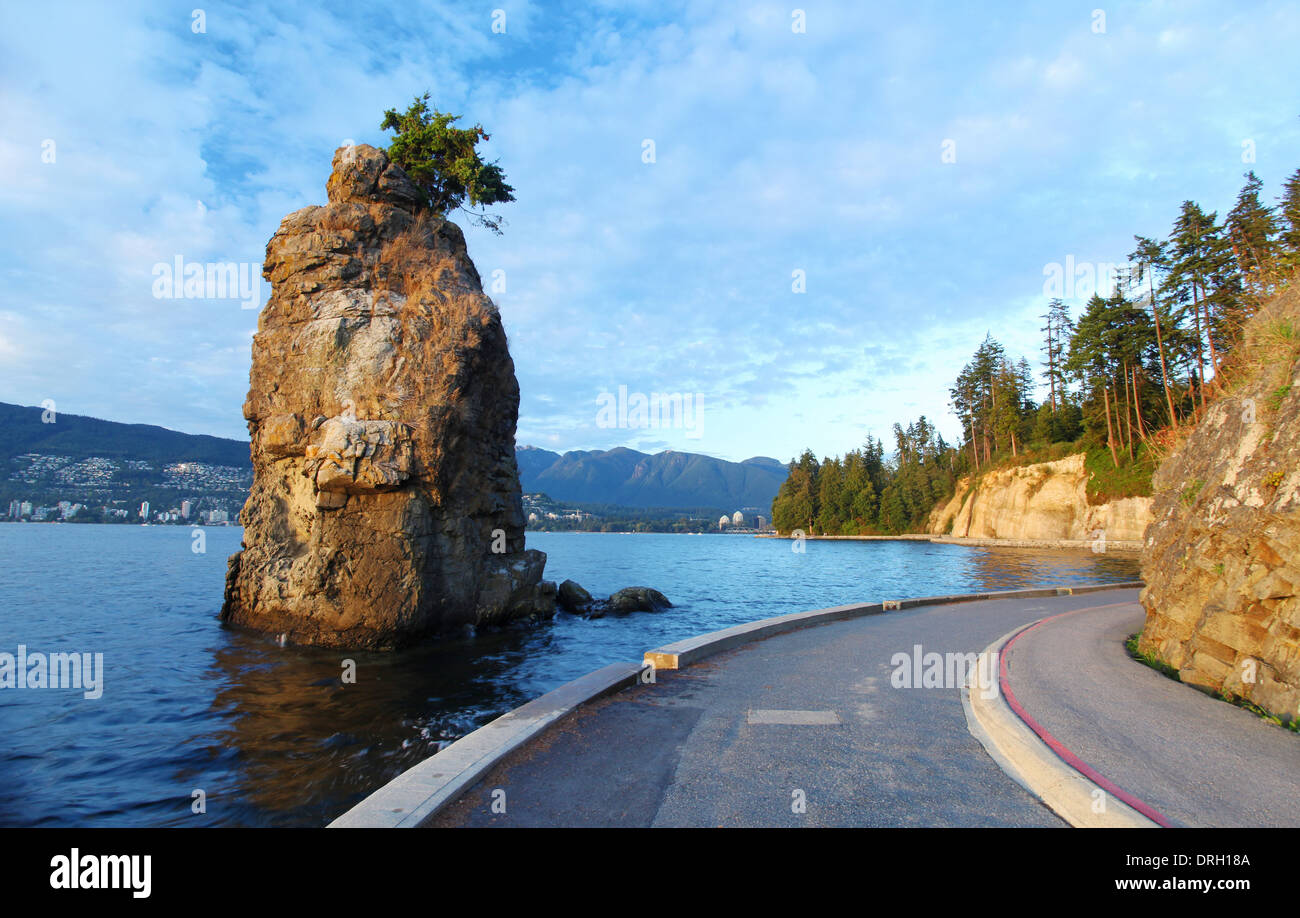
x=443, y=162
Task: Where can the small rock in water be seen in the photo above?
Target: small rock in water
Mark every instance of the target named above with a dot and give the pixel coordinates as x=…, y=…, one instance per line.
x=637, y=599
x=573, y=598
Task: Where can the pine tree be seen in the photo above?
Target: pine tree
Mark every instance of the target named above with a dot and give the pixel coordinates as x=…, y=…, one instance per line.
x=1194, y=249
x=1148, y=257
x=1288, y=213
x=1057, y=330
x=1251, y=232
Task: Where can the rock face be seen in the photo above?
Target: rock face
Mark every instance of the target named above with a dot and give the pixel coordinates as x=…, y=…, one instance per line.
x=1222, y=559
x=382, y=406
x=1045, y=501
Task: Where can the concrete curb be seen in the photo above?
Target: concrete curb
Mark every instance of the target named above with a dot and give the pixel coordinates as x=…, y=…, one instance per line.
x=691, y=650
x=415, y=796
x=1031, y=763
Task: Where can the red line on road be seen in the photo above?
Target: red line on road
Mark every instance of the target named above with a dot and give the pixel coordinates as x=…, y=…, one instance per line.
x=1057, y=746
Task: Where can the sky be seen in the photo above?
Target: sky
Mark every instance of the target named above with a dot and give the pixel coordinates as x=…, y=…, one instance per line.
x=805, y=219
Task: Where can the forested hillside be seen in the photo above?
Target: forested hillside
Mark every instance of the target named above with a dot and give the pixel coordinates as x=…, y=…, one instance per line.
x=1121, y=381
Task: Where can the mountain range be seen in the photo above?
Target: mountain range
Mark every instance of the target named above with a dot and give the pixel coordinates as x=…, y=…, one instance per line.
x=632, y=479
x=621, y=476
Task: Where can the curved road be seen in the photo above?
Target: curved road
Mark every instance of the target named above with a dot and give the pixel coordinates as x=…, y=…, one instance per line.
x=805, y=721
x=1194, y=758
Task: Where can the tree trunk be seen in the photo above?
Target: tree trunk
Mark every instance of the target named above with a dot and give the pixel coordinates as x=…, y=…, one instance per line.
x=1160, y=344
x=1200, y=346
x=1137, y=406
x=1110, y=435
x=1128, y=414
x=1209, y=334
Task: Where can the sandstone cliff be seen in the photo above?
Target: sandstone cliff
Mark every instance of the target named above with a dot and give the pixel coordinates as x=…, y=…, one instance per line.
x=382, y=407
x=1046, y=501
x=1222, y=560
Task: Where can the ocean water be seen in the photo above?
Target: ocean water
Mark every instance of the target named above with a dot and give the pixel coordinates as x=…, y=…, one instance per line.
x=271, y=736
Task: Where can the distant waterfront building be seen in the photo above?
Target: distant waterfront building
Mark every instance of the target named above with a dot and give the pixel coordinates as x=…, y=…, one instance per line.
x=218, y=516
x=186, y=508
x=738, y=519
x=762, y=523
x=25, y=509
x=15, y=509
x=723, y=521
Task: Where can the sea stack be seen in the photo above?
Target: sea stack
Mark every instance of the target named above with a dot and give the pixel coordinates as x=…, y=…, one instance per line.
x=382, y=406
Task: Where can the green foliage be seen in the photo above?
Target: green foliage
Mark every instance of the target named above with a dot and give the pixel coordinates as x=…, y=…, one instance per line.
x=1191, y=492
x=862, y=493
x=1107, y=481
x=444, y=162
x=1150, y=659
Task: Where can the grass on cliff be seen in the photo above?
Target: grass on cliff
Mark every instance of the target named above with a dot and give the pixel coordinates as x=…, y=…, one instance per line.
x=1131, y=479
x=1105, y=482
x=1160, y=666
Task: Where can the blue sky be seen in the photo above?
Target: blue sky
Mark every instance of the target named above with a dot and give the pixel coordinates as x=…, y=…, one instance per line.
x=776, y=151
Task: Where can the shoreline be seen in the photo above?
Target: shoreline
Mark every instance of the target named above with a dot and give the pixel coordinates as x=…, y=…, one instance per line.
x=1127, y=546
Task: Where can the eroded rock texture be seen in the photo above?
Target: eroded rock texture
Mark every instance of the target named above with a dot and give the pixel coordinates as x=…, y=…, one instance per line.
x=1222, y=559
x=1044, y=501
x=382, y=408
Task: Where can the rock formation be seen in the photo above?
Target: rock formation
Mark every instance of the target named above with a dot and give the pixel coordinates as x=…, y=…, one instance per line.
x=382, y=407
x=1222, y=557
x=573, y=598
x=1046, y=501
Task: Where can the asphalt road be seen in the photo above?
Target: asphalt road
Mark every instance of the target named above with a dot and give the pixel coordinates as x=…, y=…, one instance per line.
x=1196, y=759
x=706, y=746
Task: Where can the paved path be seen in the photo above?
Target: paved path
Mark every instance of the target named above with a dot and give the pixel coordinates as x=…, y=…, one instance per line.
x=701, y=748
x=1194, y=758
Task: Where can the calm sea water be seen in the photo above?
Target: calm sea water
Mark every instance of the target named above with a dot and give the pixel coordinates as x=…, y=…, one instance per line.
x=273, y=737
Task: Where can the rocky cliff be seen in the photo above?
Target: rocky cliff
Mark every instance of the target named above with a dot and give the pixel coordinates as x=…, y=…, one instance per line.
x=1222, y=559
x=1046, y=501
x=382, y=407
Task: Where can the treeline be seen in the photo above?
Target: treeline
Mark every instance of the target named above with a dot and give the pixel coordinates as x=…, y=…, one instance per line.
x=1121, y=377
x=1147, y=358
x=867, y=492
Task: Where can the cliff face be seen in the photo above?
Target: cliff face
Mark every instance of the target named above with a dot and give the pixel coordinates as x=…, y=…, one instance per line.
x=382, y=407
x=1046, y=501
x=1222, y=560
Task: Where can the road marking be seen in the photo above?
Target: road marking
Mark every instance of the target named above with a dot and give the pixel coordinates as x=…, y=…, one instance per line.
x=802, y=718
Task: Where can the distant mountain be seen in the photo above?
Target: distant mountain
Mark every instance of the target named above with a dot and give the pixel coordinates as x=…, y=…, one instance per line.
x=619, y=476
x=632, y=479
x=23, y=431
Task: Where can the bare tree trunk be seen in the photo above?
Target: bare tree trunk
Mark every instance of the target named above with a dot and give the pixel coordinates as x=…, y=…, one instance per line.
x=1160, y=344
x=1128, y=414
x=1137, y=406
x=1200, y=346
x=1110, y=435
x=1209, y=334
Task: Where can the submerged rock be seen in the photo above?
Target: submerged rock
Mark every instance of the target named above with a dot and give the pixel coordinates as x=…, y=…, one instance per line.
x=382, y=406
